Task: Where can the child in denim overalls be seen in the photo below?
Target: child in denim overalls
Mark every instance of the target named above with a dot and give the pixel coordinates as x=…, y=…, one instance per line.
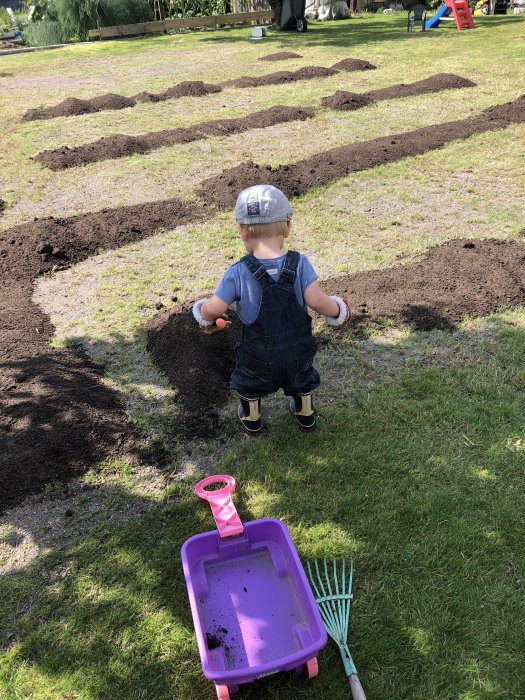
x=272, y=291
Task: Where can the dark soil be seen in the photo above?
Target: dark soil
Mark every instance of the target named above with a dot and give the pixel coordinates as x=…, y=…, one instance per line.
x=96, y=425
x=346, y=101
x=322, y=168
x=457, y=279
x=460, y=278
x=56, y=418
x=283, y=76
x=198, y=365
x=353, y=64
x=2, y=206
x=342, y=100
x=280, y=56
x=72, y=106
x=120, y=145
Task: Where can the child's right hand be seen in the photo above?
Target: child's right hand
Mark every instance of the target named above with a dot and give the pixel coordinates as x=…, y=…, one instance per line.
x=344, y=315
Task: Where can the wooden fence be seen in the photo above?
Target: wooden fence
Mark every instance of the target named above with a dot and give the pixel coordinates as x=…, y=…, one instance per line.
x=187, y=23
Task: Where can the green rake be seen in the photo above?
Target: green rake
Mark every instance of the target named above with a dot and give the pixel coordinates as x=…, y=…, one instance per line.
x=334, y=596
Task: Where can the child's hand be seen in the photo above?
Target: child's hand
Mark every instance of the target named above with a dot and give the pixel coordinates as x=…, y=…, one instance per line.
x=344, y=313
x=220, y=324
x=197, y=315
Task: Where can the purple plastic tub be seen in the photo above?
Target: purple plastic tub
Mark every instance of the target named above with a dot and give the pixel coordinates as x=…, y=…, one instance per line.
x=253, y=610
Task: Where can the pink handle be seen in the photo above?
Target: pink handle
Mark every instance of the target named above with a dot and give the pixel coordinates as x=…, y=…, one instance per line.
x=225, y=514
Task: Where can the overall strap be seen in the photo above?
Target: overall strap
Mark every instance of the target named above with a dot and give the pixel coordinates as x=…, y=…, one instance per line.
x=258, y=270
x=289, y=270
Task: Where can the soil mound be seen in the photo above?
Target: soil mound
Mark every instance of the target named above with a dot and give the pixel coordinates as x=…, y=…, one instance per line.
x=283, y=76
x=147, y=97
x=457, y=279
x=279, y=56
x=190, y=88
x=70, y=107
x=56, y=418
x=353, y=64
x=460, y=278
x=120, y=145
x=346, y=101
x=297, y=178
x=436, y=83
x=111, y=101
x=198, y=366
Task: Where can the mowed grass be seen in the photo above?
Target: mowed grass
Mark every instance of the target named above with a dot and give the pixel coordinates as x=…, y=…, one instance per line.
x=416, y=471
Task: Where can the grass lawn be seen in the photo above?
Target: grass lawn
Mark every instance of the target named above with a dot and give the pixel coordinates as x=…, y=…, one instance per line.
x=416, y=471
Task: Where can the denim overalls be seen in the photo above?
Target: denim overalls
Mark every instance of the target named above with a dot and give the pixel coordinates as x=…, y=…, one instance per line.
x=276, y=350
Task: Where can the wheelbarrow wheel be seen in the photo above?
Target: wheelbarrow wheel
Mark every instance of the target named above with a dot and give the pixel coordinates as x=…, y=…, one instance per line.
x=223, y=692
x=311, y=669
x=302, y=24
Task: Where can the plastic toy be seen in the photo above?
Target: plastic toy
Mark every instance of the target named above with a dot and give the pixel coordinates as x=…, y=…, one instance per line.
x=253, y=610
x=460, y=11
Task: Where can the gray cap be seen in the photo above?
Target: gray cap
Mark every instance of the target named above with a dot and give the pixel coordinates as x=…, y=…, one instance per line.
x=262, y=204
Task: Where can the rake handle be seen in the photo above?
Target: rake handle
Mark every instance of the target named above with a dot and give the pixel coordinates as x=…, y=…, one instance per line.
x=355, y=686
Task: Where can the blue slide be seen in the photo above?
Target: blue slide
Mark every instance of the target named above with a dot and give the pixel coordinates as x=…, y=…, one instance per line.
x=434, y=21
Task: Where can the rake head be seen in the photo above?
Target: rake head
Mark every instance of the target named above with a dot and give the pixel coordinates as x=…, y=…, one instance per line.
x=332, y=584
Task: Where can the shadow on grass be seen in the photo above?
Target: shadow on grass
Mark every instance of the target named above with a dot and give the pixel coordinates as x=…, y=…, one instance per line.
x=56, y=420
x=352, y=32
x=418, y=478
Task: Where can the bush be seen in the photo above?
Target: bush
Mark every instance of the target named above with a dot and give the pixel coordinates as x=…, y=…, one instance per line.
x=196, y=8
x=44, y=33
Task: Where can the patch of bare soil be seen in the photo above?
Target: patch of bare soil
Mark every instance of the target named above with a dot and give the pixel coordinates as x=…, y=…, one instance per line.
x=198, y=365
x=280, y=77
x=297, y=178
x=56, y=418
x=346, y=101
x=72, y=106
x=353, y=64
x=457, y=279
x=120, y=145
x=280, y=56
x=4, y=45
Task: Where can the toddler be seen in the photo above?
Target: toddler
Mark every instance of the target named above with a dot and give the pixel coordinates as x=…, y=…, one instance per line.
x=272, y=291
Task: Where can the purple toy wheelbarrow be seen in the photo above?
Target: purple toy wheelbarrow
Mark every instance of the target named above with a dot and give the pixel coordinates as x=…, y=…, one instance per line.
x=253, y=610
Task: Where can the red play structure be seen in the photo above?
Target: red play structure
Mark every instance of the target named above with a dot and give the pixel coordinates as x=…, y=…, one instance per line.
x=460, y=11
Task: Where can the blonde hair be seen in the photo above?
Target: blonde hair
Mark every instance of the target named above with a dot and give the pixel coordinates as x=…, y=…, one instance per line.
x=278, y=228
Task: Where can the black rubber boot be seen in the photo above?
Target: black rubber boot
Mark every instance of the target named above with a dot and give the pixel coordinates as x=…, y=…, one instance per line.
x=249, y=412
x=302, y=409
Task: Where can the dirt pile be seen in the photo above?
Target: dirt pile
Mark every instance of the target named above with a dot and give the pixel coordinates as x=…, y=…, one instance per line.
x=72, y=106
x=347, y=101
x=120, y=145
x=9, y=45
x=322, y=168
x=457, y=279
x=279, y=56
x=353, y=64
x=460, y=278
x=56, y=418
x=280, y=77
x=197, y=364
